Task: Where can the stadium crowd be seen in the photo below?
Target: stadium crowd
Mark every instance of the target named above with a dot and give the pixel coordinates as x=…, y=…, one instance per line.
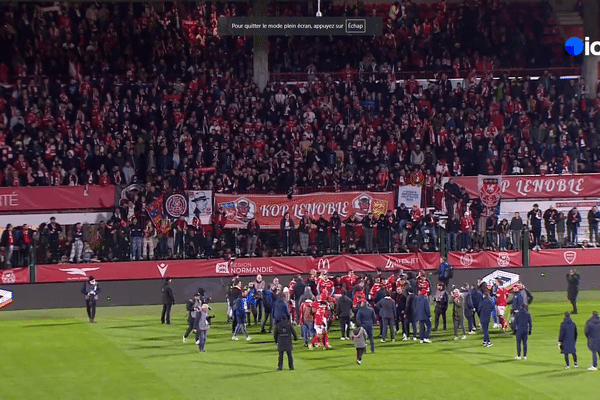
x=87, y=99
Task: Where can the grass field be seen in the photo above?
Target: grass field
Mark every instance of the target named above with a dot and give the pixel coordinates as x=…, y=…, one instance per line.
x=57, y=354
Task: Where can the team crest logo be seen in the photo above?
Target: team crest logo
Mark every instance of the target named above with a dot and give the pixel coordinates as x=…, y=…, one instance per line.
x=176, y=205
x=241, y=210
x=222, y=268
x=490, y=192
x=362, y=205
x=570, y=256
x=466, y=260
x=503, y=259
x=8, y=277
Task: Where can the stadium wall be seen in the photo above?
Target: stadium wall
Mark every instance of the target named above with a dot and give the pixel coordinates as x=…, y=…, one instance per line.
x=143, y=292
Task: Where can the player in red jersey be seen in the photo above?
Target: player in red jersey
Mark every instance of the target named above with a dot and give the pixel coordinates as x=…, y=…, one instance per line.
x=349, y=281
x=324, y=284
x=321, y=318
x=501, y=301
x=423, y=283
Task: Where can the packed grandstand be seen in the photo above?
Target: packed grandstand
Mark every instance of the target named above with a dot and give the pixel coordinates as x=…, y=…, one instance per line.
x=449, y=90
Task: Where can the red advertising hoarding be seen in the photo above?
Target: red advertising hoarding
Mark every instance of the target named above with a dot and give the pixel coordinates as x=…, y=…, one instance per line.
x=56, y=198
x=14, y=275
x=536, y=186
x=242, y=266
x=564, y=257
x=270, y=209
x=485, y=259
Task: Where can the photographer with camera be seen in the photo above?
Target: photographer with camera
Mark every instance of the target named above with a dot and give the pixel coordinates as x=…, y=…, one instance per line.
x=90, y=290
x=193, y=307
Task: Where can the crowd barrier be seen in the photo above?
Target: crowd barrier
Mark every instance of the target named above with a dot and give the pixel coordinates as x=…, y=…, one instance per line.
x=337, y=264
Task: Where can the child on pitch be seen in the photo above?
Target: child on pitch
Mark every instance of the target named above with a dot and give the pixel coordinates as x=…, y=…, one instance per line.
x=359, y=337
x=241, y=308
x=321, y=317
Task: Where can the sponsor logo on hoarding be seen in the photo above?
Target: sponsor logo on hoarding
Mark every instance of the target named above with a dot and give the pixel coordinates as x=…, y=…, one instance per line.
x=78, y=271
x=6, y=297
x=324, y=265
x=162, y=268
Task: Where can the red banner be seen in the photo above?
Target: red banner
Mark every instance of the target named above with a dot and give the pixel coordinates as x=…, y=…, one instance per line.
x=14, y=275
x=564, y=257
x=548, y=186
x=55, y=198
x=242, y=266
x=485, y=259
x=269, y=209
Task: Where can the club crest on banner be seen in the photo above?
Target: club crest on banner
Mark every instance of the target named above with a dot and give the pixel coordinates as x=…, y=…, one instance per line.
x=503, y=259
x=8, y=277
x=176, y=205
x=242, y=209
x=570, y=256
x=466, y=260
x=490, y=193
x=222, y=268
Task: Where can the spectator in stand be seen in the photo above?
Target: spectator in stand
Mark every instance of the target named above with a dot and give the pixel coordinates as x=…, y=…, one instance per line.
x=77, y=243
x=467, y=226
x=180, y=229
x=335, y=226
x=253, y=230
x=593, y=219
x=535, y=223
x=502, y=231
x=8, y=242
x=516, y=229
x=350, y=225
x=561, y=228
x=452, y=231
x=573, y=221
x=428, y=229
x=136, y=239
x=550, y=216
x=54, y=230
x=321, y=239
x=368, y=223
x=149, y=241
x=287, y=233
x=304, y=228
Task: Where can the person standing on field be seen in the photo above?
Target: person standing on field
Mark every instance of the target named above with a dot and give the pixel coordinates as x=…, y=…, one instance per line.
x=485, y=313
x=592, y=332
x=458, y=313
x=573, y=278
x=567, y=339
x=284, y=331
x=359, y=337
x=522, y=330
x=168, y=299
x=193, y=308
x=90, y=290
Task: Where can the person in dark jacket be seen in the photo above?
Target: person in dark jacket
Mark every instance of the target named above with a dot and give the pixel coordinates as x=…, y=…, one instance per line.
x=280, y=309
x=90, y=291
x=287, y=233
x=365, y=317
x=469, y=308
x=458, y=313
x=592, y=333
x=284, y=331
x=567, y=339
x=343, y=308
x=573, y=278
x=268, y=301
x=441, y=305
x=410, y=315
x=423, y=314
x=485, y=313
x=167, y=300
x=193, y=307
x=387, y=316
x=476, y=298
x=522, y=330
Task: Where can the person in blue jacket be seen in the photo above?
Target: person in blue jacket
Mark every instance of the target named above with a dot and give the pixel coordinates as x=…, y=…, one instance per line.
x=366, y=318
x=485, y=313
x=592, y=332
x=423, y=311
x=522, y=330
x=280, y=309
x=567, y=339
x=267, y=301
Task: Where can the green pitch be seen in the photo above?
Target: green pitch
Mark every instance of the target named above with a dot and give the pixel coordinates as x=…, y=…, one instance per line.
x=128, y=354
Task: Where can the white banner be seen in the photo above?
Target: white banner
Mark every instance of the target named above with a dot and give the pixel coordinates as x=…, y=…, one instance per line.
x=410, y=195
x=200, y=204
